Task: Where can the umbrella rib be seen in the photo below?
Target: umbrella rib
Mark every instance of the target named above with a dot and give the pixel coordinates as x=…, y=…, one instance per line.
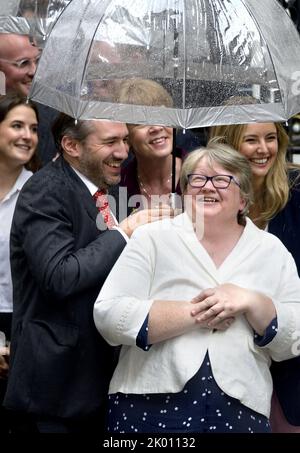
x=269, y=53
x=173, y=183
x=89, y=50
x=184, y=55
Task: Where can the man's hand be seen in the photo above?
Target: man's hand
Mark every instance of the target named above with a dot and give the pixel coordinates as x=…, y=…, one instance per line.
x=4, y=354
x=144, y=216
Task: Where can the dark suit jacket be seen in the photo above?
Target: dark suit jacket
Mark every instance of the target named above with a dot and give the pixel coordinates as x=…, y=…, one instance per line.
x=46, y=147
x=286, y=374
x=60, y=365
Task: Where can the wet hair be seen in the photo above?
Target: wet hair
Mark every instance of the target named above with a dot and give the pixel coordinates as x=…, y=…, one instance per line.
x=143, y=92
x=275, y=192
x=228, y=158
x=66, y=125
x=7, y=103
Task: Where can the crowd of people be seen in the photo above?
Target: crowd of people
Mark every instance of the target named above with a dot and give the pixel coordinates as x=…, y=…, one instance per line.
x=147, y=320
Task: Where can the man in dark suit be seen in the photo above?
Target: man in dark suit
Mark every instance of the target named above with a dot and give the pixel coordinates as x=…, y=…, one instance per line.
x=60, y=366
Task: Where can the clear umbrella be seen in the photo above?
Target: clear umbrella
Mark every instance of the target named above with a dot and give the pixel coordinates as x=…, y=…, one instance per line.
x=30, y=17
x=11, y=20
x=213, y=56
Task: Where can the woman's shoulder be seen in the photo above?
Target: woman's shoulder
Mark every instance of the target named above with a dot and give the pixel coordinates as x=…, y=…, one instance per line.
x=24, y=176
x=267, y=237
x=294, y=176
x=294, y=193
x=161, y=230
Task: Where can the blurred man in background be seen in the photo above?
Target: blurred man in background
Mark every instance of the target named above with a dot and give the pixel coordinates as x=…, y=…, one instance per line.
x=18, y=62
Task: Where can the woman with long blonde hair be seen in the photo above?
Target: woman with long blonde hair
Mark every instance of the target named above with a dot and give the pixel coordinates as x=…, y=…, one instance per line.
x=270, y=179
x=276, y=207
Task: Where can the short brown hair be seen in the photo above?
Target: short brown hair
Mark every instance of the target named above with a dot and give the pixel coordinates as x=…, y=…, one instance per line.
x=143, y=92
x=230, y=160
x=66, y=125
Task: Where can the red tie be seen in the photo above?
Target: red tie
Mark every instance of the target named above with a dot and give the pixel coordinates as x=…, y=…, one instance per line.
x=103, y=207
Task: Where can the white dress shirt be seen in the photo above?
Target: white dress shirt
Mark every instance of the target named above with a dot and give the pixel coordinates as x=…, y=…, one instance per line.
x=165, y=261
x=93, y=189
x=7, y=207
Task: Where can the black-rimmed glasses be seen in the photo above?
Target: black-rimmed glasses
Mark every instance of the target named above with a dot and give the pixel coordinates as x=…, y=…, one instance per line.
x=218, y=181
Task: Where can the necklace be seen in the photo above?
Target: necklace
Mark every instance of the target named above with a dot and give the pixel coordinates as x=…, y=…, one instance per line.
x=144, y=188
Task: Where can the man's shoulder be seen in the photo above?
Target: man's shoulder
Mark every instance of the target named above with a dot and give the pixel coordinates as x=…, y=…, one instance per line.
x=46, y=113
x=54, y=181
x=53, y=173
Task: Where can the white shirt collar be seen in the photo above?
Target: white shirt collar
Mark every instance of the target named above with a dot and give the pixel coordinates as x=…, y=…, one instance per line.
x=93, y=189
x=89, y=184
x=22, y=178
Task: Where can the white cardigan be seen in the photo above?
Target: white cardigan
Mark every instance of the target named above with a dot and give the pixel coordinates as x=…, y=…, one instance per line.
x=165, y=261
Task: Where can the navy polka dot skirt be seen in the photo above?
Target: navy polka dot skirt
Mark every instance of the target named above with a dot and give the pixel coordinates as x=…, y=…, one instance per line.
x=201, y=407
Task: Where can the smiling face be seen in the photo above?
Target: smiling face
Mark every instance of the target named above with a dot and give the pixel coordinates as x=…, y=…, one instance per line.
x=151, y=141
x=221, y=204
x=16, y=48
x=101, y=154
x=260, y=146
x=18, y=136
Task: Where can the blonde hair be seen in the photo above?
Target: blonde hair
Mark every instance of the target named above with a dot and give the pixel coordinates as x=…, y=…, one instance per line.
x=228, y=158
x=275, y=193
x=143, y=92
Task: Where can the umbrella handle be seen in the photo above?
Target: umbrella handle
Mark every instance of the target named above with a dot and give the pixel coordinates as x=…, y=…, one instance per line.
x=173, y=200
x=174, y=162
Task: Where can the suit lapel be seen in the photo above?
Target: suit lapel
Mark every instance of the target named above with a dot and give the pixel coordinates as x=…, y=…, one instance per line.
x=117, y=201
x=85, y=196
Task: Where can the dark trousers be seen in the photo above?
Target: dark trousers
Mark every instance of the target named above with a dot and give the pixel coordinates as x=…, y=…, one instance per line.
x=5, y=422
x=32, y=424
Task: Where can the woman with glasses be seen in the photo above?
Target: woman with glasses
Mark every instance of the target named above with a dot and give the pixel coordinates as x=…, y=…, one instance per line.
x=276, y=207
x=18, y=159
x=200, y=304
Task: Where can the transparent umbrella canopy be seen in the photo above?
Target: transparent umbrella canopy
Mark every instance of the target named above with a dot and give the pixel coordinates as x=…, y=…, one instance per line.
x=222, y=61
x=30, y=17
